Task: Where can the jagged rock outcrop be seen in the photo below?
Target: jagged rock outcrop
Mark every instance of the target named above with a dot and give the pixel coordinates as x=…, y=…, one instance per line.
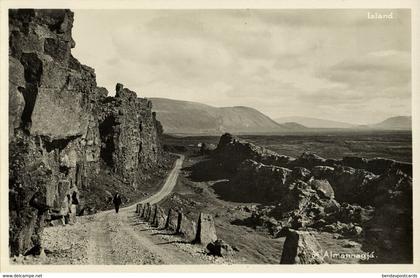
x=206, y=231
x=147, y=211
x=377, y=165
x=232, y=151
x=206, y=149
x=173, y=220
x=309, y=160
x=160, y=218
x=262, y=182
x=187, y=228
x=349, y=184
x=56, y=120
x=391, y=227
x=143, y=210
x=152, y=214
x=356, y=197
x=129, y=134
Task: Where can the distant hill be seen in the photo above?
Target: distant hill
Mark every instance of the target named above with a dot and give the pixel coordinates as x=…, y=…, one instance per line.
x=293, y=125
x=189, y=117
x=314, y=122
x=393, y=123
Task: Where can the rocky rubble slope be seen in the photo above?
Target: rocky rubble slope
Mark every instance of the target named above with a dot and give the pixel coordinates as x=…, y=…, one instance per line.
x=63, y=129
x=369, y=200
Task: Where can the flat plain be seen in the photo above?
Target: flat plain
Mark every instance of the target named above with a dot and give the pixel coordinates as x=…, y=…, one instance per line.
x=328, y=144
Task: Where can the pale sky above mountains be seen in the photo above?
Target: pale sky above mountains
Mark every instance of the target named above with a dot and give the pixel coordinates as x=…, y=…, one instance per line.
x=331, y=64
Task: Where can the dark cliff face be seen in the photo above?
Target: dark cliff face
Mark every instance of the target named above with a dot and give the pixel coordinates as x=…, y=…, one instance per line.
x=62, y=127
x=129, y=134
x=233, y=151
x=347, y=196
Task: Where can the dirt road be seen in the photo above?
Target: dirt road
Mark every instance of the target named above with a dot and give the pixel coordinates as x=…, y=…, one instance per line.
x=167, y=187
x=110, y=238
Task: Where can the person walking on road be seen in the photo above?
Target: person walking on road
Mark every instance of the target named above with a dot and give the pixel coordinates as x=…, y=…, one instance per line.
x=117, y=202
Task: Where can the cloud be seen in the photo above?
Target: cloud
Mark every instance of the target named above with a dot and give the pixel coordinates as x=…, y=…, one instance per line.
x=331, y=18
x=384, y=74
x=330, y=63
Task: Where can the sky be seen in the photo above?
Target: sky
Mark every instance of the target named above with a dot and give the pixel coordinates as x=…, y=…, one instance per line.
x=330, y=64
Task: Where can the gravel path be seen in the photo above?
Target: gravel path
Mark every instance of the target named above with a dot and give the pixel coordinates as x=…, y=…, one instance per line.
x=123, y=238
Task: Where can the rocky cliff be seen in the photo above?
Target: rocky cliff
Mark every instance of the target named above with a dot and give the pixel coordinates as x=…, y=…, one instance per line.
x=63, y=129
x=129, y=134
x=367, y=199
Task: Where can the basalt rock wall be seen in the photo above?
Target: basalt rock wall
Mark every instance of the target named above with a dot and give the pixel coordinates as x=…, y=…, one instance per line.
x=62, y=127
x=129, y=134
x=372, y=198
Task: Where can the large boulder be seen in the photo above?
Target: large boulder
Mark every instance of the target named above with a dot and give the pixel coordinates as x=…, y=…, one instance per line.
x=301, y=247
x=160, y=218
x=152, y=214
x=147, y=211
x=142, y=212
x=187, y=228
x=219, y=248
x=173, y=220
x=323, y=188
x=206, y=231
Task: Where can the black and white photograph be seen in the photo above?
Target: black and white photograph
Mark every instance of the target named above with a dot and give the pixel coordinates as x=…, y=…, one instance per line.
x=209, y=136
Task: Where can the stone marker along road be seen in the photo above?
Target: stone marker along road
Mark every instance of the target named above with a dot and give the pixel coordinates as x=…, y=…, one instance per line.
x=110, y=238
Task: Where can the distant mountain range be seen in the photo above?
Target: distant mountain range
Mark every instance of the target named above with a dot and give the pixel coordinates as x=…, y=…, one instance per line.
x=393, y=123
x=186, y=117
x=189, y=117
x=314, y=122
